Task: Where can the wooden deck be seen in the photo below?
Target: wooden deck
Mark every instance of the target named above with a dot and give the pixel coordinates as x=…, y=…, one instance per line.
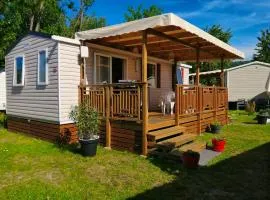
x=128, y=125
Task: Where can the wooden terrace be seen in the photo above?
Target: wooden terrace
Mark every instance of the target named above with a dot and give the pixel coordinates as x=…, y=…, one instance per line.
x=127, y=123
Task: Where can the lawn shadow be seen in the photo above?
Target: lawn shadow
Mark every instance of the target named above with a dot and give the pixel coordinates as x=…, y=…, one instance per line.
x=250, y=123
x=244, y=176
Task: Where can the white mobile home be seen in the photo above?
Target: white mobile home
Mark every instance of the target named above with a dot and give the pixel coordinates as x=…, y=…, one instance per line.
x=2, y=90
x=46, y=75
x=42, y=78
x=247, y=81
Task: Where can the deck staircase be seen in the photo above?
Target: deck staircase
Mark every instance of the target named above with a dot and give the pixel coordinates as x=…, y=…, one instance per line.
x=171, y=141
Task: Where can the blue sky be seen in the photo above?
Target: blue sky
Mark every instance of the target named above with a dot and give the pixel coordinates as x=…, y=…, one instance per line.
x=246, y=18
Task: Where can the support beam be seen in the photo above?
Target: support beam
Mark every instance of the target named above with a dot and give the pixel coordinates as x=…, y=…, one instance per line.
x=170, y=38
x=145, y=94
x=198, y=66
x=222, y=74
x=108, y=90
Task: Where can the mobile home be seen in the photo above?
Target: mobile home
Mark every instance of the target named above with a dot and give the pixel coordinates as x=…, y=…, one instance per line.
x=121, y=71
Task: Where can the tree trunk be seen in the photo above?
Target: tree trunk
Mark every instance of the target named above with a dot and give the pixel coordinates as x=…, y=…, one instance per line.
x=40, y=12
x=32, y=19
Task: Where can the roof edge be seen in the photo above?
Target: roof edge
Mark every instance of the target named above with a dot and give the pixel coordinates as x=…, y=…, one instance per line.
x=233, y=68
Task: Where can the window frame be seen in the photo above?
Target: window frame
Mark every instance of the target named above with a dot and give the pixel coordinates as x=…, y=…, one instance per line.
x=95, y=66
x=110, y=56
x=155, y=66
x=46, y=82
x=15, y=71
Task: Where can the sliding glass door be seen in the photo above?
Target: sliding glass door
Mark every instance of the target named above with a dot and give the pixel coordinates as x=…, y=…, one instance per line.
x=108, y=69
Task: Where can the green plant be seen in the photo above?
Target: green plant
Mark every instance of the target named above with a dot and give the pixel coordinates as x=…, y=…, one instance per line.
x=264, y=113
x=3, y=120
x=250, y=107
x=87, y=121
x=216, y=123
x=218, y=138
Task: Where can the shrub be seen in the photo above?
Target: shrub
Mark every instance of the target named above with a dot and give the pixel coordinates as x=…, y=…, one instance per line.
x=264, y=113
x=87, y=121
x=3, y=120
x=250, y=107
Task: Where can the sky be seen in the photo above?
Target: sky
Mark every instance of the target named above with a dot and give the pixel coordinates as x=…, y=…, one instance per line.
x=245, y=18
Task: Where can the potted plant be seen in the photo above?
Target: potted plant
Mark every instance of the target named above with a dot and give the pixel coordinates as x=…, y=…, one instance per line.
x=87, y=121
x=215, y=127
x=218, y=144
x=263, y=115
x=191, y=159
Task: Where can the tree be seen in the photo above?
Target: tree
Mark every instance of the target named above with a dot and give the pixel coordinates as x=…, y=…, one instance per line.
x=225, y=36
x=220, y=33
x=263, y=47
x=81, y=21
x=17, y=17
x=140, y=12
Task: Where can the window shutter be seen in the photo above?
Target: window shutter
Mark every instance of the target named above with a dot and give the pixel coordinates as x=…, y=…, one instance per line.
x=158, y=75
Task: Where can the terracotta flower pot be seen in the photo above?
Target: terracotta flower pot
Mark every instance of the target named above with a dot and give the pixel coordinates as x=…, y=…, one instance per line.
x=191, y=160
x=218, y=145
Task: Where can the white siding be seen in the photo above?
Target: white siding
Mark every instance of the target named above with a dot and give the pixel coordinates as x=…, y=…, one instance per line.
x=247, y=82
x=69, y=79
x=33, y=101
x=3, y=90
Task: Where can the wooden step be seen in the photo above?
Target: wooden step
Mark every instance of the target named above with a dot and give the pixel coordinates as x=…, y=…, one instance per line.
x=196, y=146
x=176, y=141
x=154, y=125
x=159, y=134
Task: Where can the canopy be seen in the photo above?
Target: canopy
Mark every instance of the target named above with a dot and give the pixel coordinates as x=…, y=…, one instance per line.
x=180, y=42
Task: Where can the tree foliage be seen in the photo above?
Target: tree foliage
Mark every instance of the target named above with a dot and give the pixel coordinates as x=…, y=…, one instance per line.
x=17, y=17
x=140, y=12
x=225, y=36
x=263, y=47
x=220, y=33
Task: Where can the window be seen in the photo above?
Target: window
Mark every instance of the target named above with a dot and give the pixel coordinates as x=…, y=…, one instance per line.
x=151, y=75
x=103, y=69
x=42, y=68
x=18, y=76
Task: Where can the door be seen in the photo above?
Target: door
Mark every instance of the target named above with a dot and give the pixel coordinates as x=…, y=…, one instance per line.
x=117, y=69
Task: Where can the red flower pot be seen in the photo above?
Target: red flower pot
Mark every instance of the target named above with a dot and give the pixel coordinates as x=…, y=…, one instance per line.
x=218, y=145
x=190, y=161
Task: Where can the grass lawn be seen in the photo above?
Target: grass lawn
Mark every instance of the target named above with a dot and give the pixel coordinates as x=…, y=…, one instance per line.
x=34, y=169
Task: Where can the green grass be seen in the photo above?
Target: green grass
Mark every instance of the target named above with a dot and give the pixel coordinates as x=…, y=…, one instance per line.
x=34, y=169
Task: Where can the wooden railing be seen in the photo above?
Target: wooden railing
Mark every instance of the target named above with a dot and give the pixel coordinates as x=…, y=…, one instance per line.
x=191, y=99
x=118, y=101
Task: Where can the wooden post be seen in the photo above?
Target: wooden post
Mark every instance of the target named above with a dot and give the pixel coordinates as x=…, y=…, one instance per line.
x=222, y=74
x=108, y=122
x=215, y=103
x=145, y=94
x=177, y=104
x=199, y=93
x=139, y=102
x=80, y=94
x=197, y=66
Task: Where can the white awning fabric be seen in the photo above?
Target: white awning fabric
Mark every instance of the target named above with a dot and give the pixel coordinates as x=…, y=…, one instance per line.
x=160, y=21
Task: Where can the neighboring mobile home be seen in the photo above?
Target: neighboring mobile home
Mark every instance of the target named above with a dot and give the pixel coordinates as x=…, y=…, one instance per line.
x=248, y=81
x=2, y=90
x=114, y=71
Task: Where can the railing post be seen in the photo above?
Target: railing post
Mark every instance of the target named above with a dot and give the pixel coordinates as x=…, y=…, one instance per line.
x=200, y=96
x=108, y=122
x=215, y=96
x=177, y=105
x=226, y=106
x=139, y=102
x=80, y=94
